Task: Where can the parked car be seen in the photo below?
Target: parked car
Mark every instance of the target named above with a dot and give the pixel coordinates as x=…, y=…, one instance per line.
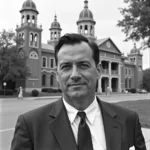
x=143, y=91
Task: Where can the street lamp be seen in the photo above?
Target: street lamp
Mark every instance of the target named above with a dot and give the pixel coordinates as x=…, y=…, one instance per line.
x=4, y=84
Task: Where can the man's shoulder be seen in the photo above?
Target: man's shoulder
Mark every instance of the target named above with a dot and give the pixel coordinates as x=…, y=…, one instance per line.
x=41, y=111
x=116, y=108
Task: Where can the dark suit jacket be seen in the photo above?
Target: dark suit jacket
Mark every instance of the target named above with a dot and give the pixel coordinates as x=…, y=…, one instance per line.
x=48, y=128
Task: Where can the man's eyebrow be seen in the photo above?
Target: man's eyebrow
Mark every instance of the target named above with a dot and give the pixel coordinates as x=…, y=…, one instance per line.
x=84, y=61
x=78, y=62
x=65, y=63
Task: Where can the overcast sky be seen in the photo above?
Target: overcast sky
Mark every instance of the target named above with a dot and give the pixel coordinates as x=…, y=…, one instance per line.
x=105, y=12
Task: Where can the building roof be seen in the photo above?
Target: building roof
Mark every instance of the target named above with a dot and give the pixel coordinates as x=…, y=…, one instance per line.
x=103, y=40
x=29, y=5
x=55, y=24
x=127, y=62
x=100, y=41
x=47, y=46
x=86, y=14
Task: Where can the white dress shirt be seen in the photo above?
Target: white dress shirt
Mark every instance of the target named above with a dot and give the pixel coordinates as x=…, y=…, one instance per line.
x=94, y=121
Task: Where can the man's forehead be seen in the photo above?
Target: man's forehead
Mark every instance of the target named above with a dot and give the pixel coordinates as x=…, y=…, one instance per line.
x=75, y=53
x=80, y=46
x=65, y=61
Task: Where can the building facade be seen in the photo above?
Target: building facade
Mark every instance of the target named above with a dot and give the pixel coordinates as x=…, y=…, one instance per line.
x=118, y=72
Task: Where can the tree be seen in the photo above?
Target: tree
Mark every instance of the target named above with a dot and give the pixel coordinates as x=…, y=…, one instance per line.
x=146, y=79
x=12, y=67
x=136, y=21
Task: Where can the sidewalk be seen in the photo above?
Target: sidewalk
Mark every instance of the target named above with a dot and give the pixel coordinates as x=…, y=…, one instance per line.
x=112, y=98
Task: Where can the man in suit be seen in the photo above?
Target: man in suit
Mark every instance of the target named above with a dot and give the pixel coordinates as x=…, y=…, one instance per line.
x=79, y=120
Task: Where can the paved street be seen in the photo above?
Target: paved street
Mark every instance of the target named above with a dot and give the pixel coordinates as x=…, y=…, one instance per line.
x=11, y=108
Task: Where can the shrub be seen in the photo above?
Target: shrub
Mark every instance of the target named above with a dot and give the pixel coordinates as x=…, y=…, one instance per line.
x=50, y=90
x=55, y=90
x=129, y=90
x=59, y=90
x=6, y=92
x=35, y=93
x=133, y=90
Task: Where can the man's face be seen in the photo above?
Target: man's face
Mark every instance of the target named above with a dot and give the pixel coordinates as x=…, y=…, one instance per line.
x=76, y=70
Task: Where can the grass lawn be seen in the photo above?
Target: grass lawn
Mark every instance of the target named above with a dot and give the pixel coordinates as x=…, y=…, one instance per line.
x=142, y=107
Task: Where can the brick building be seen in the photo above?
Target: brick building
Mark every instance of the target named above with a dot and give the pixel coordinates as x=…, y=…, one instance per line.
x=118, y=72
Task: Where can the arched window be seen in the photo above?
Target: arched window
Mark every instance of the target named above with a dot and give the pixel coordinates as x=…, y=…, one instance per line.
x=36, y=40
x=52, y=80
x=35, y=37
x=126, y=83
x=28, y=18
x=33, y=55
x=33, y=19
x=23, y=19
x=81, y=29
x=43, y=80
x=31, y=37
x=130, y=82
x=55, y=35
x=91, y=30
x=51, y=62
x=86, y=29
x=22, y=35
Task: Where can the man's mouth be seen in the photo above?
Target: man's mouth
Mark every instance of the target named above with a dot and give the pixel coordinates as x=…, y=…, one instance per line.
x=77, y=84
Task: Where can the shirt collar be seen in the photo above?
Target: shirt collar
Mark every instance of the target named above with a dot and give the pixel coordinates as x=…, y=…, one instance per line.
x=71, y=111
x=90, y=111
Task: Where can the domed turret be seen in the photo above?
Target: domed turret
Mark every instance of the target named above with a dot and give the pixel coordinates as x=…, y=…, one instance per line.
x=29, y=14
x=86, y=23
x=86, y=14
x=55, y=31
x=134, y=50
x=55, y=24
x=29, y=5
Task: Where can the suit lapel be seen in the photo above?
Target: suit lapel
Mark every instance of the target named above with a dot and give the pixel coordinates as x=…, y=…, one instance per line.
x=61, y=128
x=112, y=127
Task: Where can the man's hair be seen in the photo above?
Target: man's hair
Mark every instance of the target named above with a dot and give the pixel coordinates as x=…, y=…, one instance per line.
x=71, y=39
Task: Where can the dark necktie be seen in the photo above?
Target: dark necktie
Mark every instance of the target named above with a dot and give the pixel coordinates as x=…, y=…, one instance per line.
x=84, y=134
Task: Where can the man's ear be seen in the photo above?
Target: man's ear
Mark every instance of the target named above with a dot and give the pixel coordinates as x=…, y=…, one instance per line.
x=56, y=73
x=99, y=69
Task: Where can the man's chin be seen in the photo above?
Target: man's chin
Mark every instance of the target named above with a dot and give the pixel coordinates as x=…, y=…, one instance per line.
x=77, y=94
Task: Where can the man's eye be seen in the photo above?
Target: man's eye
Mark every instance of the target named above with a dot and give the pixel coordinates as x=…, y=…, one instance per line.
x=84, y=66
x=65, y=67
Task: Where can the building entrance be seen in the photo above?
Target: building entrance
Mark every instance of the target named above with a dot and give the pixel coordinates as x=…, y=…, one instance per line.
x=105, y=83
x=114, y=83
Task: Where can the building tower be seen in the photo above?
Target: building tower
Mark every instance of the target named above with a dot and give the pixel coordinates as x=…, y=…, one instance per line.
x=136, y=58
x=55, y=31
x=86, y=23
x=31, y=47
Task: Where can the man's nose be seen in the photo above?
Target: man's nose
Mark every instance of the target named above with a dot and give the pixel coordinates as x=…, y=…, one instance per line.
x=75, y=74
